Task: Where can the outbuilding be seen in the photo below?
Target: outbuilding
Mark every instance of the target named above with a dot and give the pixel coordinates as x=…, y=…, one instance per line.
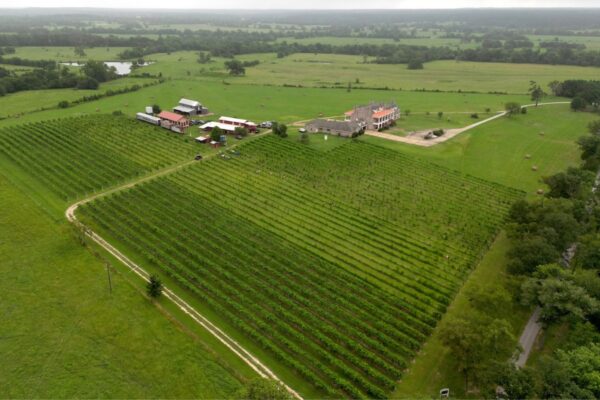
x=333, y=127
x=189, y=107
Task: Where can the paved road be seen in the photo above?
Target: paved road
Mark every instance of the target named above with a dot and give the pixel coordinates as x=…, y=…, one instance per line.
x=527, y=339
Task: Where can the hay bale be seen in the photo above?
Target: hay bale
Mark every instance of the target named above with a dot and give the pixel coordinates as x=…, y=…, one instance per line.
x=527, y=156
x=540, y=191
x=534, y=168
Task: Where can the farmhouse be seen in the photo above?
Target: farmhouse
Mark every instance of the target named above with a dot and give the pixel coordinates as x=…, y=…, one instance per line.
x=340, y=128
x=189, y=108
x=174, y=122
x=236, y=122
x=375, y=115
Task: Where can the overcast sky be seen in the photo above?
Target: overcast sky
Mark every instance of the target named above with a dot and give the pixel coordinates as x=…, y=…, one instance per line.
x=298, y=4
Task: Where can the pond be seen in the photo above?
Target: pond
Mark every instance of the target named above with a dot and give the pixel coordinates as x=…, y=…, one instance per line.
x=122, y=67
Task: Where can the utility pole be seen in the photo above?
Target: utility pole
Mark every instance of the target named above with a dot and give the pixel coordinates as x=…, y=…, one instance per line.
x=109, y=280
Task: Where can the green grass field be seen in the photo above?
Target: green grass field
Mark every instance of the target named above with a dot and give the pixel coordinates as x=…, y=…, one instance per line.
x=66, y=54
x=64, y=335
x=16, y=104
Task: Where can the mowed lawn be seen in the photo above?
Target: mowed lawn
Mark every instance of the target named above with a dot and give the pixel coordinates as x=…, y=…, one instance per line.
x=64, y=335
x=498, y=151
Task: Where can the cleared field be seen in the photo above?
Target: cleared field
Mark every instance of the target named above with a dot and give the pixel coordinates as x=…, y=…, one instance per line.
x=417, y=41
x=72, y=157
x=19, y=103
x=280, y=238
x=65, y=54
x=330, y=70
x=64, y=335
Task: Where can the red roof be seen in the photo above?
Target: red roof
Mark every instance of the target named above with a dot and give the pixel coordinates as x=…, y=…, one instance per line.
x=170, y=116
x=382, y=113
x=349, y=112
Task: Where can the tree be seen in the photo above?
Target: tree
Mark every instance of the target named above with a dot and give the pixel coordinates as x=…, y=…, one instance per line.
x=536, y=92
x=594, y=127
x=529, y=252
x=440, y=114
x=63, y=104
x=415, y=64
x=574, y=183
x=555, y=87
x=517, y=383
x=215, y=134
x=554, y=291
x=86, y=82
x=204, y=57
x=578, y=104
x=263, y=389
x=79, y=51
x=235, y=67
x=282, y=130
x=154, y=287
x=588, y=252
x=98, y=71
x=156, y=109
x=512, y=108
x=241, y=131
x=304, y=138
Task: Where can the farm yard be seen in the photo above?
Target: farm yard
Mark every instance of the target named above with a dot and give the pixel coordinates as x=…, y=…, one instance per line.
x=217, y=223
x=236, y=240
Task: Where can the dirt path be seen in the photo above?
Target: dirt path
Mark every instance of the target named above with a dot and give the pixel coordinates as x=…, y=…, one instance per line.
x=418, y=138
x=252, y=361
x=527, y=339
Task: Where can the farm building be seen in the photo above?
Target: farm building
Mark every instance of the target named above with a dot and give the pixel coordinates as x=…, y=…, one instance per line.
x=148, y=118
x=333, y=127
x=189, y=107
x=225, y=127
x=236, y=122
x=149, y=110
x=375, y=115
x=174, y=122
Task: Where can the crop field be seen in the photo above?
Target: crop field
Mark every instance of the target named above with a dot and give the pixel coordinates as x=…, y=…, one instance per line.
x=278, y=238
x=72, y=157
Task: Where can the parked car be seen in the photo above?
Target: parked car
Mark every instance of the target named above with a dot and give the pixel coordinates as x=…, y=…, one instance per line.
x=198, y=157
x=266, y=124
x=197, y=122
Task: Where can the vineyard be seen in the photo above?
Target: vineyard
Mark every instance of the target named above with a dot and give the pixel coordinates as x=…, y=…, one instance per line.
x=77, y=156
x=339, y=264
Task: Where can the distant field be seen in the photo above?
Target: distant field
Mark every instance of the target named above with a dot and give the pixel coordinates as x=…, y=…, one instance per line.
x=275, y=240
x=590, y=42
x=417, y=41
x=72, y=157
x=31, y=100
x=272, y=102
x=316, y=70
x=64, y=54
x=64, y=335
x=340, y=70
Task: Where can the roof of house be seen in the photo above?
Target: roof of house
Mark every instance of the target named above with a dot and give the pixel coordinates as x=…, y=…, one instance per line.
x=184, y=109
x=189, y=103
x=233, y=120
x=225, y=127
x=170, y=116
x=383, y=113
x=348, y=126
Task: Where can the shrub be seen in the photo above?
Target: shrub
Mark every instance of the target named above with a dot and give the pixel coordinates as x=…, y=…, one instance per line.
x=63, y=104
x=415, y=64
x=475, y=116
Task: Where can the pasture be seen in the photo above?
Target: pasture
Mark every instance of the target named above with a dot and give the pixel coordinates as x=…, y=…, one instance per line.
x=278, y=238
x=65, y=335
x=67, y=54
